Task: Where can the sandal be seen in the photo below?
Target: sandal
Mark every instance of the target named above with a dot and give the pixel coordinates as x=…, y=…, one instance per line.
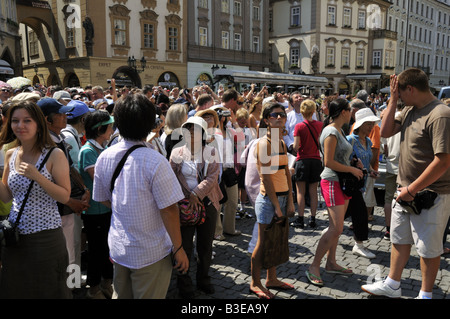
x=341, y=271
x=261, y=294
x=283, y=286
x=315, y=280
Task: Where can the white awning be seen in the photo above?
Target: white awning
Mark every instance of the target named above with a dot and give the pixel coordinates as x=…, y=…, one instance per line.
x=364, y=76
x=271, y=78
x=6, y=70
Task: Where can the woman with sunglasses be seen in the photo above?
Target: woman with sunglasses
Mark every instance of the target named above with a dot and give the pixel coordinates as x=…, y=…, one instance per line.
x=275, y=197
x=5, y=92
x=337, y=151
x=197, y=168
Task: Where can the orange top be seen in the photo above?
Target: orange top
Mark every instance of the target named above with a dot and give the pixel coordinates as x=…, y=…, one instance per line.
x=277, y=170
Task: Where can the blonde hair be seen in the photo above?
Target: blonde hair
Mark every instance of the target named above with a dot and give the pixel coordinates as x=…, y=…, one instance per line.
x=175, y=117
x=242, y=113
x=446, y=101
x=307, y=108
x=257, y=100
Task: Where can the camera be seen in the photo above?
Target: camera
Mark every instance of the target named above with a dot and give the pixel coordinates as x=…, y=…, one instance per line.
x=223, y=113
x=158, y=122
x=9, y=234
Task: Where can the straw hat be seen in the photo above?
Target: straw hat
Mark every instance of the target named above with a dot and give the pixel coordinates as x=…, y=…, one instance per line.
x=209, y=111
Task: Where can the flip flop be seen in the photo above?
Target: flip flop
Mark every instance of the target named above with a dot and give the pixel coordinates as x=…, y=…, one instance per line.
x=284, y=286
x=341, y=271
x=315, y=280
x=261, y=294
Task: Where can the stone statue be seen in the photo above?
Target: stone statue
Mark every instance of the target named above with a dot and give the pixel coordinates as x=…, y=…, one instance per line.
x=89, y=29
x=315, y=58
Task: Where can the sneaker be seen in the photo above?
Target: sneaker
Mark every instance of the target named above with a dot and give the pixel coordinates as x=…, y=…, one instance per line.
x=219, y=237
x=248, y=215
x=298, y=223
x=422, y=297
x=312, y=222
x=235, y=233
x=363, y=252
x=379, y=288
x=387, y=235
x=107, y=291
x=97, y=295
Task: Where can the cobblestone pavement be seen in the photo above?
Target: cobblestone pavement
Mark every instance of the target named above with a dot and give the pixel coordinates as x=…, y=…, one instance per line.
x=230, y=269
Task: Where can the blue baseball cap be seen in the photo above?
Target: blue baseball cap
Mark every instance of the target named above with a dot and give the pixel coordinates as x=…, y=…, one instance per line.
x=79, y=108
x=49, y=105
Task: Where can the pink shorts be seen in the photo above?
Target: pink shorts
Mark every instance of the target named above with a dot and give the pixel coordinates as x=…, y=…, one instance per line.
x=332, y=193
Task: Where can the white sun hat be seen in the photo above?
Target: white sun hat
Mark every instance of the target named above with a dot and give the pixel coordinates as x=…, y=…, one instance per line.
x=197, y=121
x=364, y=115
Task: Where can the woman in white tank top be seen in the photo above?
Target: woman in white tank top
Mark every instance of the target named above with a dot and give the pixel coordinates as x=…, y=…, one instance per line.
x=37, y=267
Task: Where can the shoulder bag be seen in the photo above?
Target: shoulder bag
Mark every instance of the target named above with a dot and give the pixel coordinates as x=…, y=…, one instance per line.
x=121, y=164
x=276, y=245
x=191, y=217
x=350, y=183
x=314, y=138
x=10, y=231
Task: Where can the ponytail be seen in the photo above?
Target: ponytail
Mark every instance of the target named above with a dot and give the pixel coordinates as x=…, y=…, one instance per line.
x=335, y=109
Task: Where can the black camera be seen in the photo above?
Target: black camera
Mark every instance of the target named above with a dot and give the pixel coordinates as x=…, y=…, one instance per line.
x=158, y=122
x=223, y=113
x=9, y=234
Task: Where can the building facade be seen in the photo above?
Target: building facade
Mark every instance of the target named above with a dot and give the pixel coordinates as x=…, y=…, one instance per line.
x=230, y=34
x=423, y=29
x=81, y=42
x=10, y=59
x=345, y=41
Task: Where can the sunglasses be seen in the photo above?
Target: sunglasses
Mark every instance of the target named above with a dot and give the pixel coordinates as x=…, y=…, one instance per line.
x=276, y=114
x=5, y=90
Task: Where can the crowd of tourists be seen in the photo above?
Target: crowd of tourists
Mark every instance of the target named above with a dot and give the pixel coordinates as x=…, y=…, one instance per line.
x=141, y=180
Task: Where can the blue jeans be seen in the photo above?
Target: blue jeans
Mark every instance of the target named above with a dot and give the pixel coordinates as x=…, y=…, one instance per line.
x=264, y=209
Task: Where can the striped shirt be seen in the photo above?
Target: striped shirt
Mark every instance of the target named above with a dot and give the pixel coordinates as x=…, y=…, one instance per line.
x=137, y=236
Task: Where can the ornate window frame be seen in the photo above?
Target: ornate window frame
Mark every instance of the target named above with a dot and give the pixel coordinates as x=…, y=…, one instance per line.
x=120, y=12
x=173, y=22
x=151, y=18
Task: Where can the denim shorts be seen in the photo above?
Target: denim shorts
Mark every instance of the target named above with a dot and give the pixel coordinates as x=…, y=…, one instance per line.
x=264, y=209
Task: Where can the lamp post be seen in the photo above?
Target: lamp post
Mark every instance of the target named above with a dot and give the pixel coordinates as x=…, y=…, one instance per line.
x=36, y=70
x=214, y=68
x=132, y=64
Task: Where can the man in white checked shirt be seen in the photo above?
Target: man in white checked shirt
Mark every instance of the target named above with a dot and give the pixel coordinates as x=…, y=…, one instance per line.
x=145, y=226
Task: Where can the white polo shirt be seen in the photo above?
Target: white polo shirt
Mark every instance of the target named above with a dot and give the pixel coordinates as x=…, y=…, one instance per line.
x=293, y=118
